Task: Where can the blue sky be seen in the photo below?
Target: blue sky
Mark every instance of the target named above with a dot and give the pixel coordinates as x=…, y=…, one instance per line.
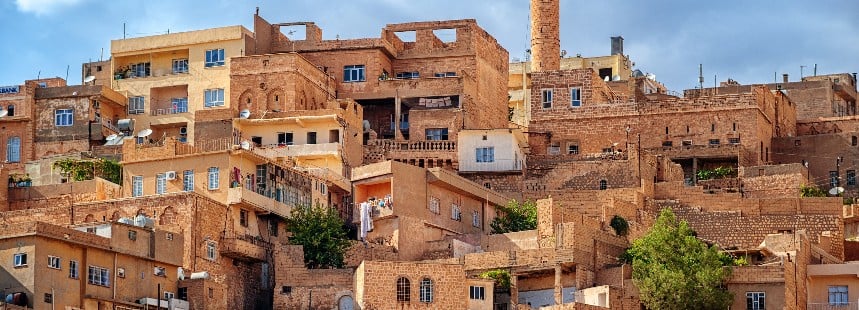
x=744, y=40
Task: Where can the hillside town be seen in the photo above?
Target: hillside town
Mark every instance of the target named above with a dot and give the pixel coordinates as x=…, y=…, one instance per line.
x=182, y=171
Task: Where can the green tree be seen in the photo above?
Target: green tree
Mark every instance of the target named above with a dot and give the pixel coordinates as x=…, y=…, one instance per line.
x=515, y=217
x=87, y=169
x=620, y=225
x=321, y=232
x=674, y=270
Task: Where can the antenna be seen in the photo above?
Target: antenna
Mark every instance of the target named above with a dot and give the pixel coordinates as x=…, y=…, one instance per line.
x=801, y=67
x=815, y=69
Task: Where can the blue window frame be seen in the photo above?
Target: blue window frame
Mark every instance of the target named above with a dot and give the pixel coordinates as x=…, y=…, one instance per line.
x=180, y=105
x=353, y=73
x=188, y=181
x=137, y=186
x=215, y=57
x=160, y=183
x=64, y=117
x=214, y=178
x=13, y=150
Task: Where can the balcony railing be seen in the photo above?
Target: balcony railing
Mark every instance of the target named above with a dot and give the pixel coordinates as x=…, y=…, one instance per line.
x=244, y=247
x=168, y=111
x=428, y=146
x=281, y=150
x=204, y=146
x=834, y=306
x=498, y=165
x=262, y=203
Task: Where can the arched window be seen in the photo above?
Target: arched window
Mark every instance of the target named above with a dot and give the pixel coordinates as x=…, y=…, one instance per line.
x=11, y=109
x=13, y=150
x=426, y=290
x=603, y=185
x=404, y=289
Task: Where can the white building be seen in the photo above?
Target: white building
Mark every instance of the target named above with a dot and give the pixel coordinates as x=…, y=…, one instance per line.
x=491, y=150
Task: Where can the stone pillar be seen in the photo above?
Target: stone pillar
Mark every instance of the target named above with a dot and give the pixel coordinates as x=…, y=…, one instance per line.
x=559, y=289
x=694, y=171
x=545, y=40
x=514, y=291
x=397, y=112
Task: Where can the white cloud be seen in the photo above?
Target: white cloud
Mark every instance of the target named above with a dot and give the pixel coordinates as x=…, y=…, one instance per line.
x=43, y=7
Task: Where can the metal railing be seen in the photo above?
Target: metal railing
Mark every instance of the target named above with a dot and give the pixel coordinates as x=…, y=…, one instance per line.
x=168, y=111
x=204, y=146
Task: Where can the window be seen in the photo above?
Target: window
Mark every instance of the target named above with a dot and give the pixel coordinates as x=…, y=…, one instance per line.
x=215, y=57
x=188, y=180
x=311, y=137
x=54, y=262
x=455, y=213
x=169, y=295
x=714, y=141
x=63, y=117
x=140, y=69
x=180, y=65
x=477, y=292
x=159, y=271
x=475, y=219
x=132, y=235
x=13, y=150
x=686, y=143
x=180, y=105
x=838, y=295
x=11, y=110
x=734, y=140
x=575, y=97
x=426, y=290
x=183, y=293
x=214, y=178
x=485, y=154
x=755, y=300
x=73, y=269
x=445, y=74
x=851, y=177
x=286, y=290
x=168, y=236
x=136, y=105
x=436, y=133
x=572, y=149
x=354, y=73
x=547, y=98
x=434, y=205
x=603, y=185
x=853, y=140
x=833, y=179
x=137, y=186
x=243, y=218
x=284, y=138
x=272, y=227
x=554, y=148
x=160, y=183
x=210, y=250
x=214, y=97
x=98, y=276
x=667, y=143
x=49, y=298
x=20, y=259
x=404, y=289
x=408, y=75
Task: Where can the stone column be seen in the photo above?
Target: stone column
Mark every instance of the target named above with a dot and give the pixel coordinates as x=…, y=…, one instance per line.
x=545, y=33
x=559, y=289
x=397, y=111
x=514, y=291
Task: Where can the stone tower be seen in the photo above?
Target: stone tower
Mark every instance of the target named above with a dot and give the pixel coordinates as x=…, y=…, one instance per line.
x=545, y=40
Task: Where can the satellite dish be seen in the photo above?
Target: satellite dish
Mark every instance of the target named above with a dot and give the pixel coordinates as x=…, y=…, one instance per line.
x=74, y=93
x=4, y=113
x=89, y=79
x=246, y=145
x=836, y=190
x=245, y=113
x=111, y=137
x=144, y=133
x=606, y=78
x=615, y=78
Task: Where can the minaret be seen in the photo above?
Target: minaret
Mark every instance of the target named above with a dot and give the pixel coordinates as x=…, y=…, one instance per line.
x=545, y=40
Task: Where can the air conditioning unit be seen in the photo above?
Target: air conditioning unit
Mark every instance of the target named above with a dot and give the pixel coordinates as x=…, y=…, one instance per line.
x=183, y=131
x=171, y=175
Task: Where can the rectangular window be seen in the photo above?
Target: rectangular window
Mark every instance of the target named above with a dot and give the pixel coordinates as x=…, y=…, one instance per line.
x=851, y=177
x=485, y=154
x=272, y=227
x=20, y=259
x=455, y=213
x=436, y=133
x=833, y=179
x=311, y=137
x=180, y=105
x=838, y=295
x=575, y=97
x=475, y=219
x=169, y=295
x=573, y=149
x=215, y=57
x=408, y=75
x=64, y=117
x=73, y=269
x=714, y=141
x=445, y=74
x=98, y=276
x=686, y=143
x=180, y=65
x=243, y=218
x=434, y=205
x=13, y=150
x=354, y=73
x=546, y=98
x=477, y=292
x=214, y=97
x=284, y=138
x=755, y=300
x=136, y=105
x=140, y=69
x=214, y=178
x=554, y=148
x=188, y=180
x=137, y=186
x=160, y=183
x=210, y=250
x=183, y=293
x=734, y=140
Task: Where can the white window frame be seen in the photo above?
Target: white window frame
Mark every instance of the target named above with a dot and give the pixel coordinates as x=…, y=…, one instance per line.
x=161, y=183
x=476, y=292
x=214, y=97
x=136, y=104
x=136, y=185
x=169, y=295
x=575, y=97
x=98, y=276
x=74, y=269
x=215, y=58
x=354, y=73
x=214, y=174
x=455, y=212
x=55, y=262
x=188, y=180
x=180, y=65
x=475, y=219
x=485, y=154
x=426, y=290
x=434, y=204
x=179, y=105
x=547, y=98
x=839, y=295
x=64, y=117
x=19, y=259
x=13, y=149
x=758, y=300
x=211, y=250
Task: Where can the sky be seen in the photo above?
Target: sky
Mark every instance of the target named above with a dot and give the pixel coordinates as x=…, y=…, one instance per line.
x=748, y=41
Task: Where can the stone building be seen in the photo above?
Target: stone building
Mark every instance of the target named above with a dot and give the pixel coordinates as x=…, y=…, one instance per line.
x=419, y=91
x=18, y=105
x=91, y=266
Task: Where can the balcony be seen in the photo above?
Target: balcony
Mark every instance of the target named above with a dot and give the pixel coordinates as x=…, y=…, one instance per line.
x=240, y=195
x=421, y=87
x=411, y=151
x=495, y=166
x=244, y=247
x=304, y=150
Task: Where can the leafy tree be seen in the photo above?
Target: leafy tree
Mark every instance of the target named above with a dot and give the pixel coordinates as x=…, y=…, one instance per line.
x=811, y=191
x=321, y=232
x=620, y=225
x=515, y=217
x=674, y=270
x=501, y=277
x=87, y=169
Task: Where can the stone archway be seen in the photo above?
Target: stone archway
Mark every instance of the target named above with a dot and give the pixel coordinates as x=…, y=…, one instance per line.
x=246, y=101
x=89, y=218
x=275, y=100
x=168, y=217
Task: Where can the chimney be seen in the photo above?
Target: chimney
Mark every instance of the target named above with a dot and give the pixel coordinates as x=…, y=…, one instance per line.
x=617, y=45
x=545, y=40
x=784, y=78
